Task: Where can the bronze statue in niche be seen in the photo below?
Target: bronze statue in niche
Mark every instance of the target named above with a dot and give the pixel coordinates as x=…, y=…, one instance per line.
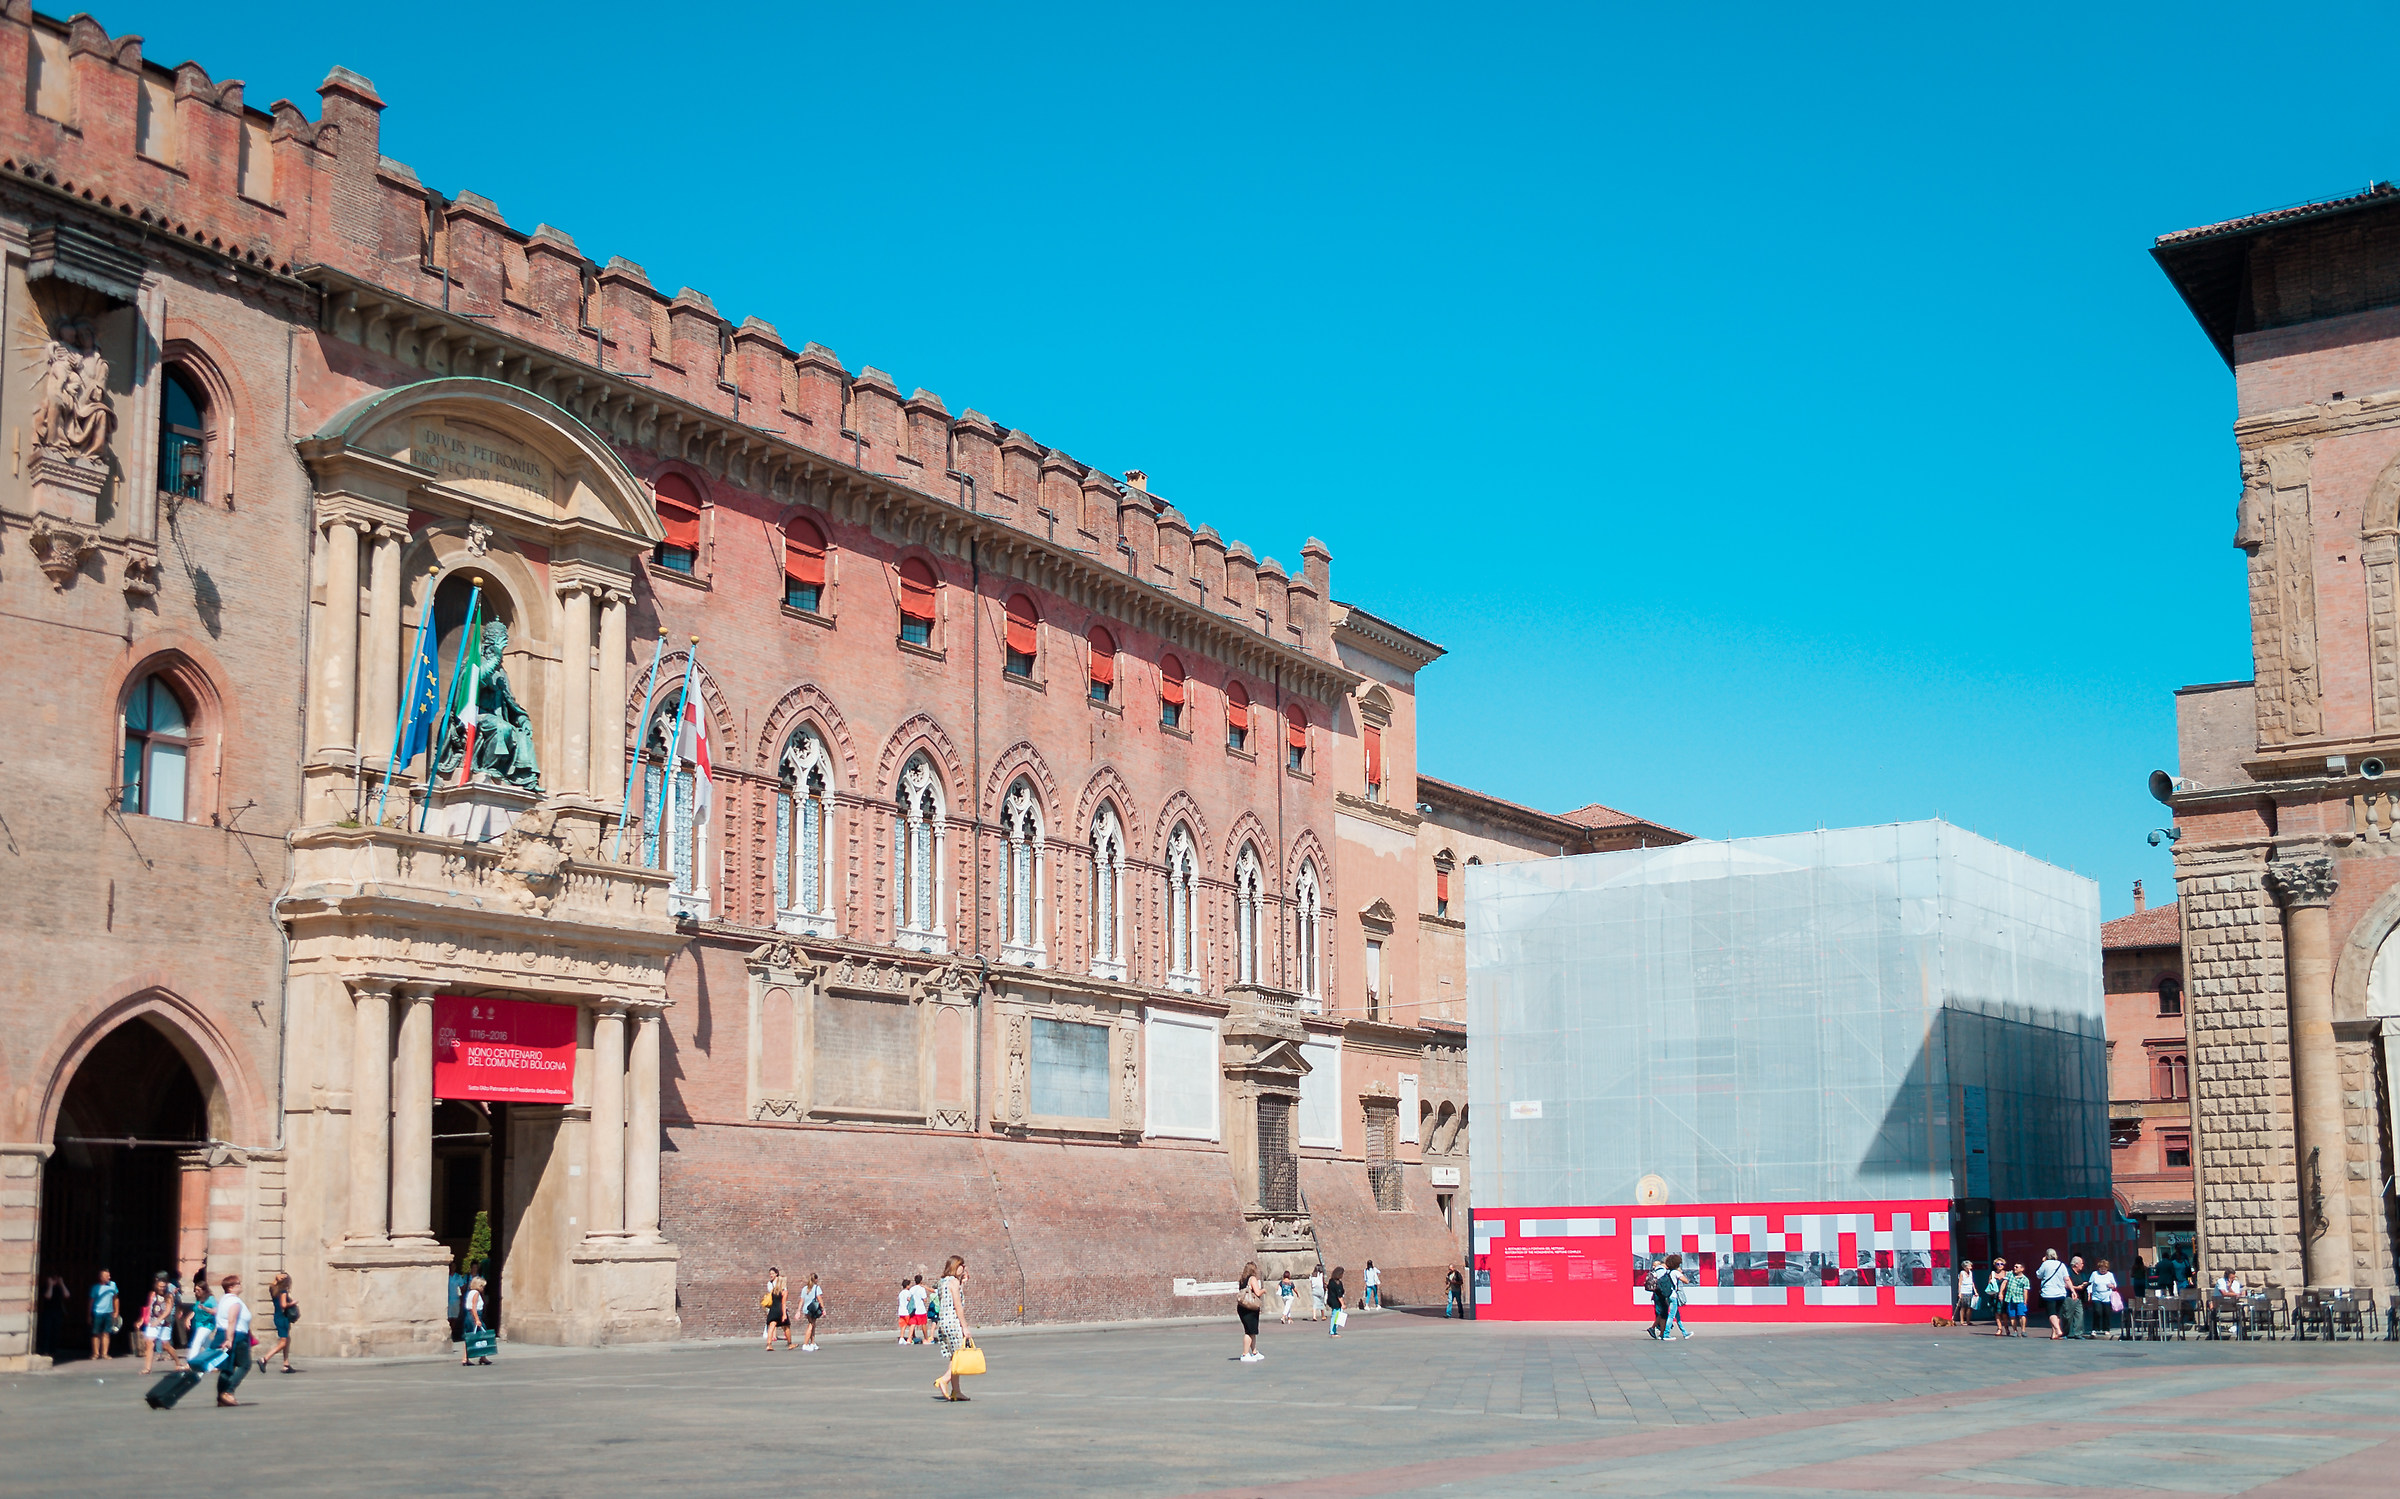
x=503, y=738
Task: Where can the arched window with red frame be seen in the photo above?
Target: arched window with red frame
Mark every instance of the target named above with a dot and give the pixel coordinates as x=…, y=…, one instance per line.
x=1237, y=716
x=919, y=589
x=2174, y=1075
x=1024, y=637
x=1295, y=737
x=803, y=565
x=1104, y=664
x=1170, y=692
x=679, y=516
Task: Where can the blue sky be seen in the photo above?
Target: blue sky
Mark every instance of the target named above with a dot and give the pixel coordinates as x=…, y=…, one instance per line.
x=1775, y=411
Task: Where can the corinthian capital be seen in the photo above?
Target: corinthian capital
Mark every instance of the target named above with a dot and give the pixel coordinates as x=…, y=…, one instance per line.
x=2308, y=881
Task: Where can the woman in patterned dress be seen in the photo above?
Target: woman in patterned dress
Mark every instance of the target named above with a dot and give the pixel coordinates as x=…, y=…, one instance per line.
x=950, y=1325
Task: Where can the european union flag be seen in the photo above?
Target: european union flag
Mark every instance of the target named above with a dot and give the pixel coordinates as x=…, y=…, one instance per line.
x=421, y=705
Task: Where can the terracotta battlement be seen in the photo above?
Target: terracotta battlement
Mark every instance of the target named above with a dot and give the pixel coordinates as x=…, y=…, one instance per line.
x=447, y=283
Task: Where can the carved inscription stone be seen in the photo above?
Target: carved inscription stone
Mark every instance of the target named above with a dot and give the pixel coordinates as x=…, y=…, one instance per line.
x=480, y=461
x=866, y=1054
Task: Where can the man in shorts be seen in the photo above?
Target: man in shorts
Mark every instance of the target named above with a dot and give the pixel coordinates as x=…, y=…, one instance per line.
x=2056, y=1287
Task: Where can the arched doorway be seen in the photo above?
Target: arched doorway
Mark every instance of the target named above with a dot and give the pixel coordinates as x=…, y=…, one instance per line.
x=126, y=1188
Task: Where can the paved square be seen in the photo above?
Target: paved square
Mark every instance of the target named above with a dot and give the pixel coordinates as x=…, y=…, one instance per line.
x=1400, y=1404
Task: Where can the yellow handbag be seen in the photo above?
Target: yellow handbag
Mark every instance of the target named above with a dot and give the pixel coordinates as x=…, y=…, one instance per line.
x=968, y=1360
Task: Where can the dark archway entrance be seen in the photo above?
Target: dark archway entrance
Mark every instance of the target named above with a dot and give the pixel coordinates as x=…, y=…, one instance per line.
x=470, y=1167
x=132, y=1132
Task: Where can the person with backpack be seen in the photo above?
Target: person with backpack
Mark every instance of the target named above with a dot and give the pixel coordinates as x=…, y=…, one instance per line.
x=1455, y=1284
x=1662, y=1297
x=812, y=1307
x=1334, y=1293
x=1285, y=1294
x=157, y=1325
x=1676, y=1281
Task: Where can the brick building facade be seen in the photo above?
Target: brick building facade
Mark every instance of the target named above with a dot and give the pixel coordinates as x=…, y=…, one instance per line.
x=1058, y=902
x=2289, y=888
x=2149, y=1075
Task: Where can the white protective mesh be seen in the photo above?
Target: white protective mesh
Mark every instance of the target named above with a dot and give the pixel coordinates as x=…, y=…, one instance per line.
x=1807, y=1018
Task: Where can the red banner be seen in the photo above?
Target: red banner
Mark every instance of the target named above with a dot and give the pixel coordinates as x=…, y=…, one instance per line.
x=503, y=1050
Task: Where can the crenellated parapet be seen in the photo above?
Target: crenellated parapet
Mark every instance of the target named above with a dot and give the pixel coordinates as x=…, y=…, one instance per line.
x=446, y=283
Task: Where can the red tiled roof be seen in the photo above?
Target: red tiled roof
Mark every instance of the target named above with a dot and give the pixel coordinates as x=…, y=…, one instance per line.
x=2160, y=926
x=2278, y=215
x=1597, y=817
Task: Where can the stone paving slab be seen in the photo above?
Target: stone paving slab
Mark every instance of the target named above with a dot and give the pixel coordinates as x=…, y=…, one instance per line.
x=1399, y=1405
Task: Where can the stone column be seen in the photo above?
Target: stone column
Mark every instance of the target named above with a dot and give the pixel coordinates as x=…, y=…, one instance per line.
x=2306, y=885
x=641, y=1132
x=607, y=1216
x=575, y=675
x=383, y=644
x=337, y=643
x=370, y=1112
x=412, y=1124
x=608, y=705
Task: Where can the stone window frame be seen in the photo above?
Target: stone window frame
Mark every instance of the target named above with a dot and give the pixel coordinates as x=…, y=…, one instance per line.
x=1184, y=928
x=196, y=371
x=203, y=738
x=1308, y=931
x=1108, y=893
x=793, y=764
x=808, y=979
x=920, y=825
x=1022, y=893
x=660, y=789
x=1249, y=914
x=703, y=529
x=1154, y=1017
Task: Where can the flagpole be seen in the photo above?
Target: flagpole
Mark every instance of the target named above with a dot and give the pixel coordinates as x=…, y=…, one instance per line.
x=408, y=691
x=466, y=754
x=433, y=750
x=683, y=699
x=641, y=727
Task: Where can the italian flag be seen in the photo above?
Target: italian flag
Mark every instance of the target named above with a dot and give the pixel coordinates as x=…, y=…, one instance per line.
x=695, y=754
x=466, y=677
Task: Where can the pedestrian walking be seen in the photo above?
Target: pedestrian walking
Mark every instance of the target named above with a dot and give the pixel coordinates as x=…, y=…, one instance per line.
x=1962, y=1310
x=233, y=1323
x=922, y=1300
x=207, y=1352
x=1676, y=1282
x=1285, y=1294
x=2056, y=1290
x=1456, y=1285
x=950, y=1328
x=470, y=1312
x=1995, y=1287
x=1334, y=1293
x=1248, y=1300
x=1373, y=1280
x=2105, y=1298
x=907, y=1304
x=1661, y=1286
x=812, y=1307
x=778, y=1309
x=286, y=1311
x=458, y=1294
x=2020, y=1289
x=2079, y=1283
x=1316, y=1294
x=157, y=1324
x=104, y=1315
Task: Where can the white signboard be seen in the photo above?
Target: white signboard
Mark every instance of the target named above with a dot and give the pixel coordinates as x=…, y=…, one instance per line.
x=1525, y=1108
x=1408, y=1109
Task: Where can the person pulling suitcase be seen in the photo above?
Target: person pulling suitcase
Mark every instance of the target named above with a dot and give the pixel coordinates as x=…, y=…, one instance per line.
x=220, y=1344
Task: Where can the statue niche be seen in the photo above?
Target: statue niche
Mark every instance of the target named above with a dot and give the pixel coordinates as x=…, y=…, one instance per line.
x=503, y=739
x=74, y=415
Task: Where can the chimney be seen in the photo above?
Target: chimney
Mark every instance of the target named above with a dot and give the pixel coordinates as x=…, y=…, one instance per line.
x=1136, y=479
x=2137, y=896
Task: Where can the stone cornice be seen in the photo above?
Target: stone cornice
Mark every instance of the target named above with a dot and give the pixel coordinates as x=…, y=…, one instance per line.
x=621, y=410
x=1359, y=806
x=1385, y=639
x=2360, y=414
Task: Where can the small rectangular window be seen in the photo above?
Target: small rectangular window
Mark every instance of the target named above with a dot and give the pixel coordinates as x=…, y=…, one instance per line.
x=2178, y=1151
x=1019, y=664
x=1294, y=756
x=677, y=559
x=916, y=631
x=1100, y=691
x=1236, y=737
x=1171, y=715
x=801, y=596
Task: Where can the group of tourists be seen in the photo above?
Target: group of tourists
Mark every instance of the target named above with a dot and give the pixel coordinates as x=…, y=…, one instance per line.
x=934, y=1316
x=1668, y=1286
x=2075, y=1301
x=215, y=1334
x=780, y=1303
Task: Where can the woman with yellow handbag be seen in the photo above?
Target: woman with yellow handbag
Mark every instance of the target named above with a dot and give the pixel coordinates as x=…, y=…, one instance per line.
x=950, y=1332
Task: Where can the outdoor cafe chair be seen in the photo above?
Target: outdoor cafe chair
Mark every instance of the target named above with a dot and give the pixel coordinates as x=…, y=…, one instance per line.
x=2224, y=1317
x=2258, y=1315
x=2310, y=1316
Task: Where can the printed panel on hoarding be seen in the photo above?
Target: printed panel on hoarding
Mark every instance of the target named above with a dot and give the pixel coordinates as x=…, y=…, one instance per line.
x=503, y=1050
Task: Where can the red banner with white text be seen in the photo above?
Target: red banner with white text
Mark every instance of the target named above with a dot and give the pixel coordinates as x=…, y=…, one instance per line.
x=503, y=1050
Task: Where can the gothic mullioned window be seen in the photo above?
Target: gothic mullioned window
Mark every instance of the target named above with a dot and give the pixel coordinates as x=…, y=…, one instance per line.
x=1246, y=888
x=1309, y=948
x=672, y=837
x=1108, y=887
x=803, y=835
x=1021, y=876
x=1183, y=879
x=918, y=839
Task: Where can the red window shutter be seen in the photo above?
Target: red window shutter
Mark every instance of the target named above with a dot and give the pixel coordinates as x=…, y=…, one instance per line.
x=1104, y=657
x=1441, y=884
x=1374, y=755
x=1170, y=681
x=679, y=511
x=1296, y=726
x=1021, y=623
x=803, y=552
x=916, y=590
x=1237, y=706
